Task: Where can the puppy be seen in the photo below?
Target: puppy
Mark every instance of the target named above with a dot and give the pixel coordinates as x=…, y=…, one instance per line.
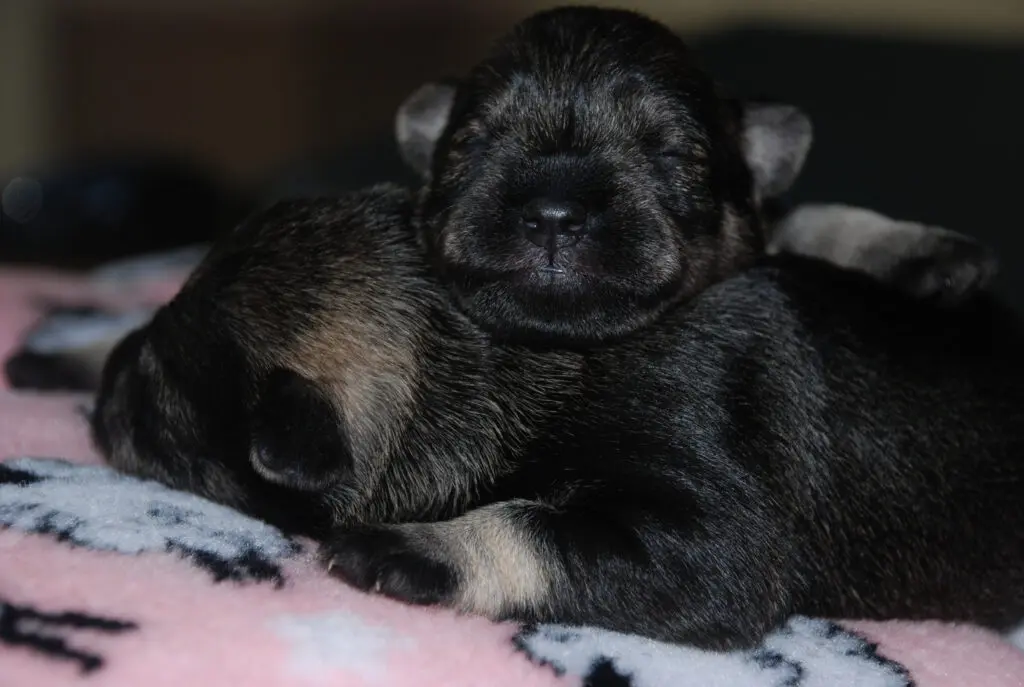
x=660, y=226
x=587, y=176
x=794, y=439
x=927, y=262
x=821, y=446
x=590, y=165
x=69, y=347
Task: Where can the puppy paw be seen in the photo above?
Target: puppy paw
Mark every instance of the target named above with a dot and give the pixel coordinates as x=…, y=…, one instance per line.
x=392, y=561
x=951, y=271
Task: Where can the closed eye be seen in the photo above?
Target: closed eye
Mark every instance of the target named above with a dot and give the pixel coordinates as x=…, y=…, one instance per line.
x=473, y=137
x=676, y=154
x=668, y=149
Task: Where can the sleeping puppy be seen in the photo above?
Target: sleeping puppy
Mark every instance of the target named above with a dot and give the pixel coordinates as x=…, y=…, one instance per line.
x=660, y=225
x=928, y=262
x=794, y=439
x=587, y=176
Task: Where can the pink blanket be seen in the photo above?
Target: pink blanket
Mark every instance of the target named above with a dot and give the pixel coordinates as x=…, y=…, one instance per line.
x=108, y=580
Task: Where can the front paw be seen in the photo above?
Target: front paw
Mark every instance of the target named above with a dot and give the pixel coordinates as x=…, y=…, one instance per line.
x=395, y=561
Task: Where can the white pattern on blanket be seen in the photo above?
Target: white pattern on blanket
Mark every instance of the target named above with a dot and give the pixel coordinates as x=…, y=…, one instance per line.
x=806, y=652
x=101, y=509
x=97, y=508
x=338, y=639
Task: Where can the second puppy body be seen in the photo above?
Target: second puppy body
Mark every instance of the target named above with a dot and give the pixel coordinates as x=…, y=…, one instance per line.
x=796, y=439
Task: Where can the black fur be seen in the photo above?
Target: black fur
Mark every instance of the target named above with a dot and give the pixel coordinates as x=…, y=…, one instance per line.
x=950, y=274
x=672, y=186
x=176, y=409
x=792, y=438
x=607, y=110
x=292, y=417
x=926, y=262
x=383, y=561
x=796, y=439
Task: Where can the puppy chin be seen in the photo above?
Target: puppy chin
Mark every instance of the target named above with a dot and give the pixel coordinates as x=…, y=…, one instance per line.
x=582, y=294
x=552, y=307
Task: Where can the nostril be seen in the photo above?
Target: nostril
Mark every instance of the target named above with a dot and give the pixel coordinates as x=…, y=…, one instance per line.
x=554, y=216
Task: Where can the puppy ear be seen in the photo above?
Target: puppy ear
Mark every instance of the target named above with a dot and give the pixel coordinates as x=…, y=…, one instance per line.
x=420, y=120
x=776, y=140
x=308, y=459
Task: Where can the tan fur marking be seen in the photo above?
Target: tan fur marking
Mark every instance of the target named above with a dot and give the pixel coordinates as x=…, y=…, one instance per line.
x=499, y=561
x=371, y=372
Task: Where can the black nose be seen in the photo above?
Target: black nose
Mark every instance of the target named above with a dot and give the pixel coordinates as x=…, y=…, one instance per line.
x=553, y=223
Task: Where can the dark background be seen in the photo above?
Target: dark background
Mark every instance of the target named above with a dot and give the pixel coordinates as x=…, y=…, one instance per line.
x=918, y=118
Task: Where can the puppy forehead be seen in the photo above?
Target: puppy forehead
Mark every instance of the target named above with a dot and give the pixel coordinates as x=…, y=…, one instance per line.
x=606, y=107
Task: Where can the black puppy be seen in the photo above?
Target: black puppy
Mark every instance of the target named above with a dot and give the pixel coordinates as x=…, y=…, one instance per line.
x=587, y=177
x=661, y=226
x=796, y=439
x=822, y=446
x=928, y=262
x=69, y=346
x=762, y=448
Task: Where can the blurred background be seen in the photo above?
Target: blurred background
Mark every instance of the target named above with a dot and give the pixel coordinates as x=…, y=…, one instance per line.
x=136, y=125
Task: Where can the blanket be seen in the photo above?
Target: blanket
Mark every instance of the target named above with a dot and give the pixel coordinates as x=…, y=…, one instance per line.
x=113, y=581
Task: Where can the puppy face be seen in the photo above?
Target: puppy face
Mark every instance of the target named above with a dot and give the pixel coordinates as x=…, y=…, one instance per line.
x=587, y=176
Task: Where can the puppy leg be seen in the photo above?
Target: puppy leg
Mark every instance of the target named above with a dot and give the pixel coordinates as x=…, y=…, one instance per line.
x=298, y=437
x=632, y=571
x=925, y=262
x=484, y=562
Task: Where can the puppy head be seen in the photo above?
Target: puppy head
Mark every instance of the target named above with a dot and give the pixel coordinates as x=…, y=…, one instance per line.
x=587, y=175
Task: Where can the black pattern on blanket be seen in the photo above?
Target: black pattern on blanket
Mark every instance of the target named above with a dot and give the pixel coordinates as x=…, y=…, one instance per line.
x=52, y=634
x=97, y=508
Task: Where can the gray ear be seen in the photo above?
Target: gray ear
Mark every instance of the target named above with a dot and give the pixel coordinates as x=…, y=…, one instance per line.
x=420, y=121
x=776, y=140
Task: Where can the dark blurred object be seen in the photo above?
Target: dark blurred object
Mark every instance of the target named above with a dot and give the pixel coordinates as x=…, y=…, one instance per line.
x=929, y=132
x=79, y=213
x=330, y=172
